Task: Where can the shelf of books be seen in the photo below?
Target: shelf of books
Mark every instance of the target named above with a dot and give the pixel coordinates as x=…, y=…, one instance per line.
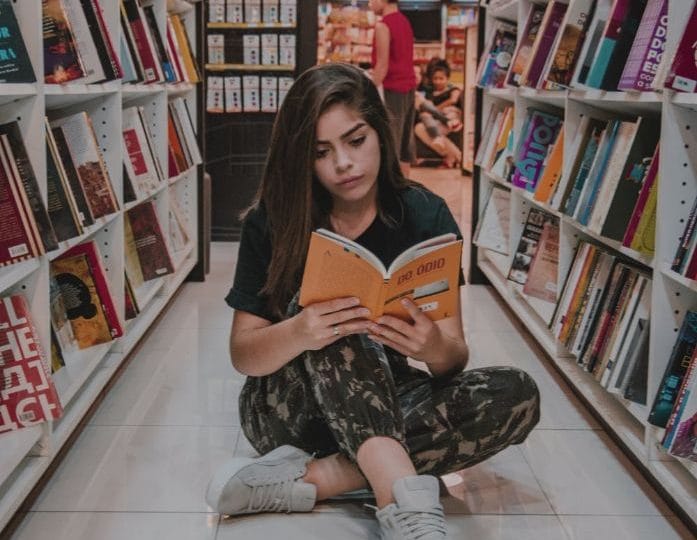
x=99, y=165
x=588, y=236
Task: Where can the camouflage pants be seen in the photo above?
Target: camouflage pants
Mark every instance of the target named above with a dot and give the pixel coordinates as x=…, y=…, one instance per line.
x=334, y=399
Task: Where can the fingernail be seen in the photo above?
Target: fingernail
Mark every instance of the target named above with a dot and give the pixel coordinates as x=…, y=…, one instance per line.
x=404, y=301
x=365, y=312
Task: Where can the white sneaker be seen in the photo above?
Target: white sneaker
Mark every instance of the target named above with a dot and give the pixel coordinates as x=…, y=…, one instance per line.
x=416, y=513
x=270, y=483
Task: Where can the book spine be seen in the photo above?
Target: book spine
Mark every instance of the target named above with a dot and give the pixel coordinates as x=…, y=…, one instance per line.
x=549, y=33
x=648, y=48
x=141, y=42
x=679, y=258
x=607, y=43
x=542, y=132
x=683, y=71
x=641, y=201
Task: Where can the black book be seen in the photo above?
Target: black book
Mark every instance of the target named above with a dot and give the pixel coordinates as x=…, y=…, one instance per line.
x=167, y=68
x=623, y=46
x=72, y=176
x=16, y=152
x=633, y=176
x=109, y=65
x=60, y=209
x=15, y=65
x=129, y=194
x=638, y=378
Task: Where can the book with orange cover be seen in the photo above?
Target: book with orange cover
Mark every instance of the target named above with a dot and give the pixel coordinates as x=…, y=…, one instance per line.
x=187, y=57
x=427, y=273
x=551, y=171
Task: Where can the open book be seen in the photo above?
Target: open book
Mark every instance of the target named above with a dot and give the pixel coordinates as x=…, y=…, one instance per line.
x=428, y=273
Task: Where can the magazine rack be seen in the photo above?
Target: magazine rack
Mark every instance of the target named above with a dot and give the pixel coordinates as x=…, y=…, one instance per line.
x=672, y=294
x=26, y=454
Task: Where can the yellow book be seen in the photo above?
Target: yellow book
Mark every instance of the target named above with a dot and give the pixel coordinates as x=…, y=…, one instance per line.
x=644, y=240
x=184, y=49
x=552, y=171
x=427, y=273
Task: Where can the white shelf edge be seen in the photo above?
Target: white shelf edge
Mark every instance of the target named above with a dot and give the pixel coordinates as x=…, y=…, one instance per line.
x=79, y=366
x=19, y=90
x=89, y=232
x=160, y=188
x=682, y=98
x=14, y=273
x=173, y=180
x=176, y=89
x=678, y=278
x=14, y=447
x=79, y=89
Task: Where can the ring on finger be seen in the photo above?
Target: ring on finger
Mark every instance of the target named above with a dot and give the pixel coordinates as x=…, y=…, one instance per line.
x=336, y=330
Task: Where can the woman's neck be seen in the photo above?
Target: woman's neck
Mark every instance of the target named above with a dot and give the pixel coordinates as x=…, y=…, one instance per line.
x=352, y=221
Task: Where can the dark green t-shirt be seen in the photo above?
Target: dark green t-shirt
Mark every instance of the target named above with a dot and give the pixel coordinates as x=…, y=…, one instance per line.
x=425, y=215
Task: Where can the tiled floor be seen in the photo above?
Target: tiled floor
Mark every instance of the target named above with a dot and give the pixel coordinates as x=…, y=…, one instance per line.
x=139, y=469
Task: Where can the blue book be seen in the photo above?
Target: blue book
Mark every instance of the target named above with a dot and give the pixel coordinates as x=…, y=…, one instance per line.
x=583, y=171
x=608, y=43
x=597, y=173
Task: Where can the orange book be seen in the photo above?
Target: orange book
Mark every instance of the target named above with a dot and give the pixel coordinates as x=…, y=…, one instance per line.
x=185, y=49
x=552, y=171
x=428, y=273
x=579, y=291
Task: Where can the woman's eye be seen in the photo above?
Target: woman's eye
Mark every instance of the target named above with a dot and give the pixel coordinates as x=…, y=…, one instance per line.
x=321, y=153
x=358, y=141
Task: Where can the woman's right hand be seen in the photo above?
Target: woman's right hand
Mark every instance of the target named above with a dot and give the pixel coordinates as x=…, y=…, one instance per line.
x=322, y=323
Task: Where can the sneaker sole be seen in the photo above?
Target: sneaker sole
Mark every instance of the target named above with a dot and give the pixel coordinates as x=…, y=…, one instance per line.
x=238, y=467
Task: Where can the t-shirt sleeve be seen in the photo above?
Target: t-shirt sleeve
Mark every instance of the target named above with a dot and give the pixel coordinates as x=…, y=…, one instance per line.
x=253, y=261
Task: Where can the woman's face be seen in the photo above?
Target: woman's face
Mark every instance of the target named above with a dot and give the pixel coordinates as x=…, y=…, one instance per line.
x=347, y=155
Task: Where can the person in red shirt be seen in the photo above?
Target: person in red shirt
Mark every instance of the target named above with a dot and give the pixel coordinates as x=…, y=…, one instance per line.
x=393, y=72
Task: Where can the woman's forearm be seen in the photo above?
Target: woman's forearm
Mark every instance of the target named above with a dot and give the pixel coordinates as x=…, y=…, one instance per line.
x=452, y=354
x=262, y=351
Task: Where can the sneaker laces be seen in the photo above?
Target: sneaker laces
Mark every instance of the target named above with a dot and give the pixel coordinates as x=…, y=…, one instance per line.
x=274, y=497
x=414, y=524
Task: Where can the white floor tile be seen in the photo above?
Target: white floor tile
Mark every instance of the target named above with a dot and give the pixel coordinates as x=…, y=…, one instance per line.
x=624, y=528
x=504, y=484
x=508, y=527
x=481, y=311
x=117, y=526
x=581, y=475
x=138, y=469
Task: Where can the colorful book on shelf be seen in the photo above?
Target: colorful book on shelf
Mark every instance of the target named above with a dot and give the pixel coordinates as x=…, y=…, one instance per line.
x=676, y=368
x=523, y=51
x=62, y=62
x=160, y=49
x=503, y=150
x=642, y=198
x=644, y=238
x=551, y=170
x=135, y=18
x=57, y=358
x=594, y=35
x=138, y=158
x=581, y=253
x=15, y=64
x=560, y=69
x=540, y=133
x=19, y=167
x=65, y=162
x=582, y=165
x=131, y=309
x=61, y=208
x=82, y=301
x=182, y=116
x=186, y=52
x=84, y=42
x=28, y=394
x=554, y=15
x=153, y=253
x=647, y=49
x=131, y=262
x=174, y=145
x=103, y=39
x=427, y=273
x=532, y=230
x=542, y=275
x=492, y=231
x=61, y=328
x=682, y=75
x=496, y=59
x=101, y=283
x=687, y=387
x=89, y=163
x=575, y=296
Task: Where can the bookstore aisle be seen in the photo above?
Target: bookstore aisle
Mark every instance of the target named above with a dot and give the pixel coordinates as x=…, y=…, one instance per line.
x=139, y=468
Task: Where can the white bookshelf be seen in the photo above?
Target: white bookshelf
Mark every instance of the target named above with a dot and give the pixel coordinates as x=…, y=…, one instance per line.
x=25, y=455
x=672, y=294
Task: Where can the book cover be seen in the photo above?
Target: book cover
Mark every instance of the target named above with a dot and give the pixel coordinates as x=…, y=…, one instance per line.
x=496, y=60
x=551, y=171
x=65, y=161
x=22, y=170
x=427, y=273
x=542, y=275
x=644, y=239
x=150, y=243
x=503, y=147
x=89, y=164
x=523, y=52
x=181, y=110
x=84, y=42
x=101, y=283
x=527, y=245
x=138, y=158
x=175, y=145
x=128, y=49
x=98, y=35
x=137, y=30
x=27, y=393
x=15, y=65
x=493, y=226
x=648, y=48
x=583, y=166
x=686, y=388
x=178, y=129
x=187, y=56
x=684, y=442
x=61, y=207
x=81, y=299
x=580, y=252
x=565, y=56
x=131, y=309
x=165, y=62
x=543, y=43
x=683, y=71
x=542, y=131
x=640, y=204
x=57, y=358
x=61, y=59
x=575, y=300
x=637, y=379
x=61, y=328
x=115, y=70
x=675, y=371
x=590, y=45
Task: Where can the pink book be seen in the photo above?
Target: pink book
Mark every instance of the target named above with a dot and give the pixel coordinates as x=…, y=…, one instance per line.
x=651, y=175
x=647, y=49
x=683, y=71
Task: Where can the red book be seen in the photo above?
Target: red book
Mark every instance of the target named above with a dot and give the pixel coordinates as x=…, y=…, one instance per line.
x=683, y=71
x=651, y=175
x=150, y=243
x=94, y=259
x=142, y=43
x=27, y=393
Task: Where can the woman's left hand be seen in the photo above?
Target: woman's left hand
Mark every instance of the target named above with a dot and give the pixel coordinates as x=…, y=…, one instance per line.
x=419, y=339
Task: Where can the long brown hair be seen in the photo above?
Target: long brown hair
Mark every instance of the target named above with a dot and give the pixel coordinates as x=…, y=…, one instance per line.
x=295, y=201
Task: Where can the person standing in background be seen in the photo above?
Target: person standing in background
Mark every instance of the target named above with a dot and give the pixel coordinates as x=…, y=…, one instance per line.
x=393, y=72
